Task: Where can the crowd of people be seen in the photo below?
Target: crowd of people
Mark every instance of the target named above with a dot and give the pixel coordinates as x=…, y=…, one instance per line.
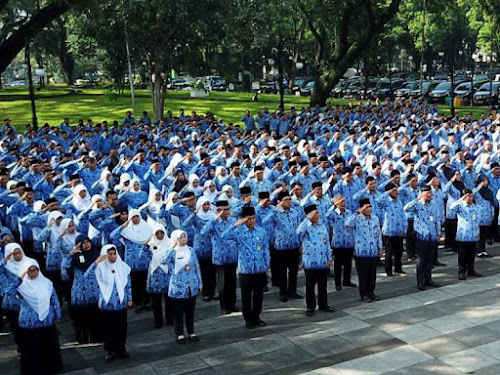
x=106, y=217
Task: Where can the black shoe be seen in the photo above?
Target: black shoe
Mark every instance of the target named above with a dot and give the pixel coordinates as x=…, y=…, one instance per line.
x=474, y=274
x=181, y=340
x=214, y=298
x=490, y=241
x=295, y=296
x=250, y=325
x=401, y=272
x=432, y=284
x=451, y=250
x=421, y=287
x=350, y=285
x=327, y=309
x=110, y=357
x=366, y=299
x=125, y=354
x=138, y=309
x=194, y=338
x=309, y=312
x=148, y=307
x=235, y=309
x=412, y=259
x=266, y=289
x=375, y=297
x=158, y=325
x=260, y=323
x=338, y=288
x=225, y=312
x=437, y=263
x=461, y=276
x=390, y=274
x=206, y=299
x=283, y=298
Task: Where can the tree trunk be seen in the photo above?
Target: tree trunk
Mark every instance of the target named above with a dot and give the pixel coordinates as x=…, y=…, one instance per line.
x=158, y=95
x=11, y=46
x=31, y=87
x=66, y=58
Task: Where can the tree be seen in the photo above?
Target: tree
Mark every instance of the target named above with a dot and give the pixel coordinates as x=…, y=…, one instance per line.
x=23, y=20
x=338, y=45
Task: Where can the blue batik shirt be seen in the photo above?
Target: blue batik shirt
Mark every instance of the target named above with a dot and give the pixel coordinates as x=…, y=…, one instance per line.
x=367, y=235
x=315, y=241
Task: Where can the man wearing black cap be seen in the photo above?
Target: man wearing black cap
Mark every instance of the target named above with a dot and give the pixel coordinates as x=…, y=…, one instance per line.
x=427, y=228
x=316, y=258
x=252, y=243
x=263, y=208
x=346, y=188
x=285, y=219
x=394, y=227
x=258, y=183
x=494, y=186
x=367, y=248
x=235, y=178
x=304, y=177
x=224, y=256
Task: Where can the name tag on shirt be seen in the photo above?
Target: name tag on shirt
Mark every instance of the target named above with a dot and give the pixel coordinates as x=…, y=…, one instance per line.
x=474, y=217
x=81, y=258
x=431, y=219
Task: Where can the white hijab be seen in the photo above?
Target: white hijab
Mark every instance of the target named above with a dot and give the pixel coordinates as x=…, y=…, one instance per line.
x=158, y=248
x=212, y=196
x=204, y=215
x=38, y=205
x=170, y=200
x=37, y=292
x=55, y=230
x=110, y=274
x=17, y=267
x=156, y=204
x=124, y=178
x=182, y=253
x=70, y=238
x=196, y=190
x=138, y=233
x=132, y=183
x=223, y=196
x=81, y=204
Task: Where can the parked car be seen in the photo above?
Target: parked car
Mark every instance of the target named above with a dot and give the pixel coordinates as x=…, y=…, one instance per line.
x=307, y=89
x=351, y=91
x=483, y=94
x=181, y=83
x=404, y=90
x=440, y=92
x=299, y=83
x=425, y=89
x=387, y=87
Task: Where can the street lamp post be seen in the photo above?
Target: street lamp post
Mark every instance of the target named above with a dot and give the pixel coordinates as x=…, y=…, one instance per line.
x=31, y=88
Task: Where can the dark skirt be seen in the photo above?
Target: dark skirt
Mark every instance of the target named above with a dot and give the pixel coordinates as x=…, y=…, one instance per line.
x=114, y=330
x=40, y=351
x=86, y=323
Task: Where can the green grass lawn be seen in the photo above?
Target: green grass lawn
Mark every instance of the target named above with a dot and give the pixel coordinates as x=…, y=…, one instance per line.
x=99, y=104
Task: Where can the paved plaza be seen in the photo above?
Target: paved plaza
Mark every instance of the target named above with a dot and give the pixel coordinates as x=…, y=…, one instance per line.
x=451, y=330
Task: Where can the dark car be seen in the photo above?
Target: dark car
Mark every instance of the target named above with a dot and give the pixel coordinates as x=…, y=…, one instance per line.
x=351, y=91
x=440, y=92
x=387, y=87
x=405, y=89
x=483, y=95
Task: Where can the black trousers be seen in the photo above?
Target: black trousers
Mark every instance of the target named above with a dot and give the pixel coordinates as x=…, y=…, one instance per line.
x=410, y=240
x=139, y=295
x=86, y=323
x=55, y=277
x=393, y=249
x=367, y=275
x=314, y=277
x=275, y=278
x=13, y=319
x=450, y=231
x=466, y=256
x=252, y=295
x=40, y=351
x=425, y=250
x=156, y=299
x=494, y=227
x=184, y=308
x=208, y=277
x=484, y=234
x=342, y=261
x=226, y=282
x=114, y=330
x=286, y=269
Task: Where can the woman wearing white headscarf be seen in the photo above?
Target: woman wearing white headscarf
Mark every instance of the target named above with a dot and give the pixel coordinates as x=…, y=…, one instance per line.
x=80, y=200
x=39, y=310
x=227, y=194
x=185, y=283
x=36, y=221
x=50, y=235
x=134, y=197
x=11, y=268
x=135, y=233
x=173, y=222
x=210, y=191
x=221, y=176
x=154, y=204
x=194, y=185
x=159, y=276
x=113, y=279
x=202, y=246
x=102, y=186
x=123, y=184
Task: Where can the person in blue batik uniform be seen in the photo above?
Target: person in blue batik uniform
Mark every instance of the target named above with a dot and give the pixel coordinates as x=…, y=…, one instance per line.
x=342, y=242
x=427, y=228
x=468, y=215
x=135, y=232
x=485, y=201
x=84, y=289
x=12, y=266
x=39, y=310
x=367, y=247
x=113, y=278
x=159, y=276
x=224, y=256
x=285, y=221
x=316, y=258
x=185, y=283
x=203, y=246
x=252, y=243
x=394, y=227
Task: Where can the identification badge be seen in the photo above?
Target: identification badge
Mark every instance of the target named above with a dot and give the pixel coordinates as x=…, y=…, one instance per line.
x=474, y=217
x=431, y=218
x=259, y=247
x=81, y=258
x=188, y=267
x=324, y=240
